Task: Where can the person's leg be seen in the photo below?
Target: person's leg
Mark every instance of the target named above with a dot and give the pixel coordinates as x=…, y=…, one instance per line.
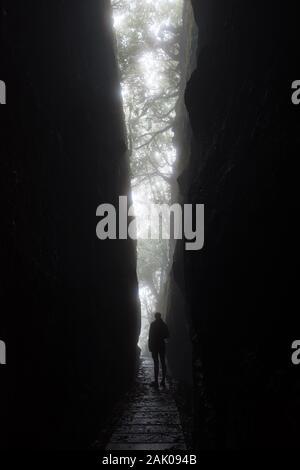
x=162, y=355
x=156, y=366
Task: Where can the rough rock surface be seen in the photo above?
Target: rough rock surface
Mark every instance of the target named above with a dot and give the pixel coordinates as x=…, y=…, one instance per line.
x=236, y=288
x=69, y=308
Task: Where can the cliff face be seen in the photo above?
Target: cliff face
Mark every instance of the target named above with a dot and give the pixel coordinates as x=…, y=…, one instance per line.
x=179, y=344
x=236, y=288
x=69, y=308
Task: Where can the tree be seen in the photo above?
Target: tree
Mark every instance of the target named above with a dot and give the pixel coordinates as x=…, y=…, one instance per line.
x=148, y=35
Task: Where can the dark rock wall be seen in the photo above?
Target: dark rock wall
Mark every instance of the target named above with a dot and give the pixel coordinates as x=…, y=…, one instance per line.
x=237, y=288
x=179, y=344
x=69, y=308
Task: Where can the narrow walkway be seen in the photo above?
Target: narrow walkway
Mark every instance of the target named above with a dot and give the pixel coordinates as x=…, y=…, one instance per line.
x=151, y=420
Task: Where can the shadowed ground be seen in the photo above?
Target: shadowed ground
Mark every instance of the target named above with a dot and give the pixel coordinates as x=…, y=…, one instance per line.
x=151, y=420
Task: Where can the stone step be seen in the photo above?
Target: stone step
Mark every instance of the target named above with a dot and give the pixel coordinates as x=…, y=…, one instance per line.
x=147, y=438
x=156, y=406
x=147, y=420
x=151, y=429
x=146, y=446
x=151, y=420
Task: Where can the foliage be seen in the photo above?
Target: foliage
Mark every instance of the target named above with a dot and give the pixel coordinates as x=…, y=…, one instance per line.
x=148, y=33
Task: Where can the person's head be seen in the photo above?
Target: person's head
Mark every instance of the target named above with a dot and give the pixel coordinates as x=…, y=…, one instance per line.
x=157, y=316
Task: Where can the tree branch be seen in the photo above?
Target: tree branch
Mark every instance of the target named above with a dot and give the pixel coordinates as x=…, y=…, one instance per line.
x=161, y=131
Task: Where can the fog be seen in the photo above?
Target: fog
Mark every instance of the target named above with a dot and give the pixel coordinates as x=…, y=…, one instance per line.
x=148, y=34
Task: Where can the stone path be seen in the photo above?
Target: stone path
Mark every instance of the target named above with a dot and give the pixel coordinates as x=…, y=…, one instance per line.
x=151, y=420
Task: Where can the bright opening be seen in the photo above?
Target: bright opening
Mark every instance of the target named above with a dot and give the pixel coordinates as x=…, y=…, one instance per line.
x=148, y=33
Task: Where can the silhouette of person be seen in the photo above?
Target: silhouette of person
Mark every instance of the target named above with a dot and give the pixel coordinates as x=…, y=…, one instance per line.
x=158, y=332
